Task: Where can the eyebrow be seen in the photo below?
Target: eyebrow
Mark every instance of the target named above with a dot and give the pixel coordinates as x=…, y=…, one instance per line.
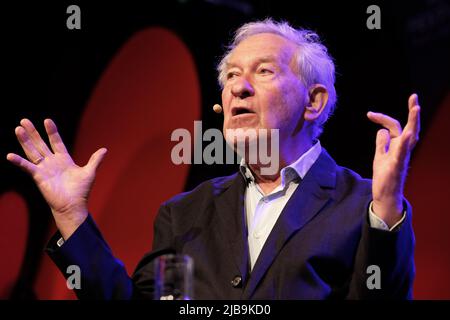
x=259, y=60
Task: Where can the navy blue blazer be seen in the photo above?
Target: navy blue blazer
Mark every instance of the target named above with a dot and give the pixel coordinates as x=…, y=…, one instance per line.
x=320, y=247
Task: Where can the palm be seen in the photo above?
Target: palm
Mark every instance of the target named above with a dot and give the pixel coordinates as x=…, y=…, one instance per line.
x=62, y=182
x=389, y=166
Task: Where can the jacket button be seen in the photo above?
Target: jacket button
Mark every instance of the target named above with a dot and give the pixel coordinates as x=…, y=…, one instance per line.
x=236, y=282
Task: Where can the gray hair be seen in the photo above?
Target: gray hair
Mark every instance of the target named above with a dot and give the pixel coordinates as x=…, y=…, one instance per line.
x=315, y=65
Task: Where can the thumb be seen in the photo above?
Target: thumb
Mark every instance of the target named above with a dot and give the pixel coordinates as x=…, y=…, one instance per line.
x=382, y=141
x=96, y=159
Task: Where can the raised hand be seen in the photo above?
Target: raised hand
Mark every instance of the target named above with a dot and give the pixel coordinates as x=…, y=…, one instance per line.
x=64, y=185
x=390, y=164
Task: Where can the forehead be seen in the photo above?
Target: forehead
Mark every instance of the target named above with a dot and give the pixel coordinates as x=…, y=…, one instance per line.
x=264, y=47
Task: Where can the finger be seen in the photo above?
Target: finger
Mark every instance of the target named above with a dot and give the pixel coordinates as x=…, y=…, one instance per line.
x=96, y=159
x=53, y=136
x=382, y=141
x=35, y=137
x=403, y=150
x=389, y=123
x=413, y=100
x=413, y=125
x=21, y=163
x=27, y=145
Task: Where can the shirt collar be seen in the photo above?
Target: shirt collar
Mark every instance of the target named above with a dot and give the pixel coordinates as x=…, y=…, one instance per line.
x=298, y=168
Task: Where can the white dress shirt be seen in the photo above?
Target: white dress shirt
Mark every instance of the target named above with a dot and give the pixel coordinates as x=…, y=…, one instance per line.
x=262, y=211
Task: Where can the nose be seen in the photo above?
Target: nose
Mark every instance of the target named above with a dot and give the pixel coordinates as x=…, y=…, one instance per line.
x=242, y=88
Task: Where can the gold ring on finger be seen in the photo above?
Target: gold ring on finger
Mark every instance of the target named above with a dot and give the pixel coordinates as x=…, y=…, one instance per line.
x=39, y=160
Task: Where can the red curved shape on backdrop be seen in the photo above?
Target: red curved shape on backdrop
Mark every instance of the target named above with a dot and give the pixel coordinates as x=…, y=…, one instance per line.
x=13, y=239
x=429, y=192
x=149, y=89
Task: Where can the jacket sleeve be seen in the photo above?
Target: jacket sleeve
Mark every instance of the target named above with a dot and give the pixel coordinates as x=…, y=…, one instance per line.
x=102, y=275
x=389, y=255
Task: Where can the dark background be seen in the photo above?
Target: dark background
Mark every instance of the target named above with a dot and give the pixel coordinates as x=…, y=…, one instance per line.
x=50, y=71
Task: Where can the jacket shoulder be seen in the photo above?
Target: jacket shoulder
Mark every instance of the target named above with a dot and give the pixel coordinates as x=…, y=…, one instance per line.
x=205, y=191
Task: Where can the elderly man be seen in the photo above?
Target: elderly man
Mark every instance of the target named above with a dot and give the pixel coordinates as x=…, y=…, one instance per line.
x=312, y=230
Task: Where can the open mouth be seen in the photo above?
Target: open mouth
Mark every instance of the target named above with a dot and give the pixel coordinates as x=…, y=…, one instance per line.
x=240, y=110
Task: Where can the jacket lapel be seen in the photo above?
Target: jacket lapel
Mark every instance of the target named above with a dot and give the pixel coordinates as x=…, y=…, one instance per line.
x=312, y=194
x=232, y=222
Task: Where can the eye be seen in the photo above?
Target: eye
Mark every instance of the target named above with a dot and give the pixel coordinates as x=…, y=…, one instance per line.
x=265, y=71
x=231, y=75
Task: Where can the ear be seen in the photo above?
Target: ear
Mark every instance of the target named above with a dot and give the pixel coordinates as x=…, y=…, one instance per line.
x=318, y=98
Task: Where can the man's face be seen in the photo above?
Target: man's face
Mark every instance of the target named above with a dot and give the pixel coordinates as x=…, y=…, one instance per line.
x=262, y=89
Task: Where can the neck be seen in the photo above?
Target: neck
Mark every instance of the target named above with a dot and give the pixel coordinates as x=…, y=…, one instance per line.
x=290, y=150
